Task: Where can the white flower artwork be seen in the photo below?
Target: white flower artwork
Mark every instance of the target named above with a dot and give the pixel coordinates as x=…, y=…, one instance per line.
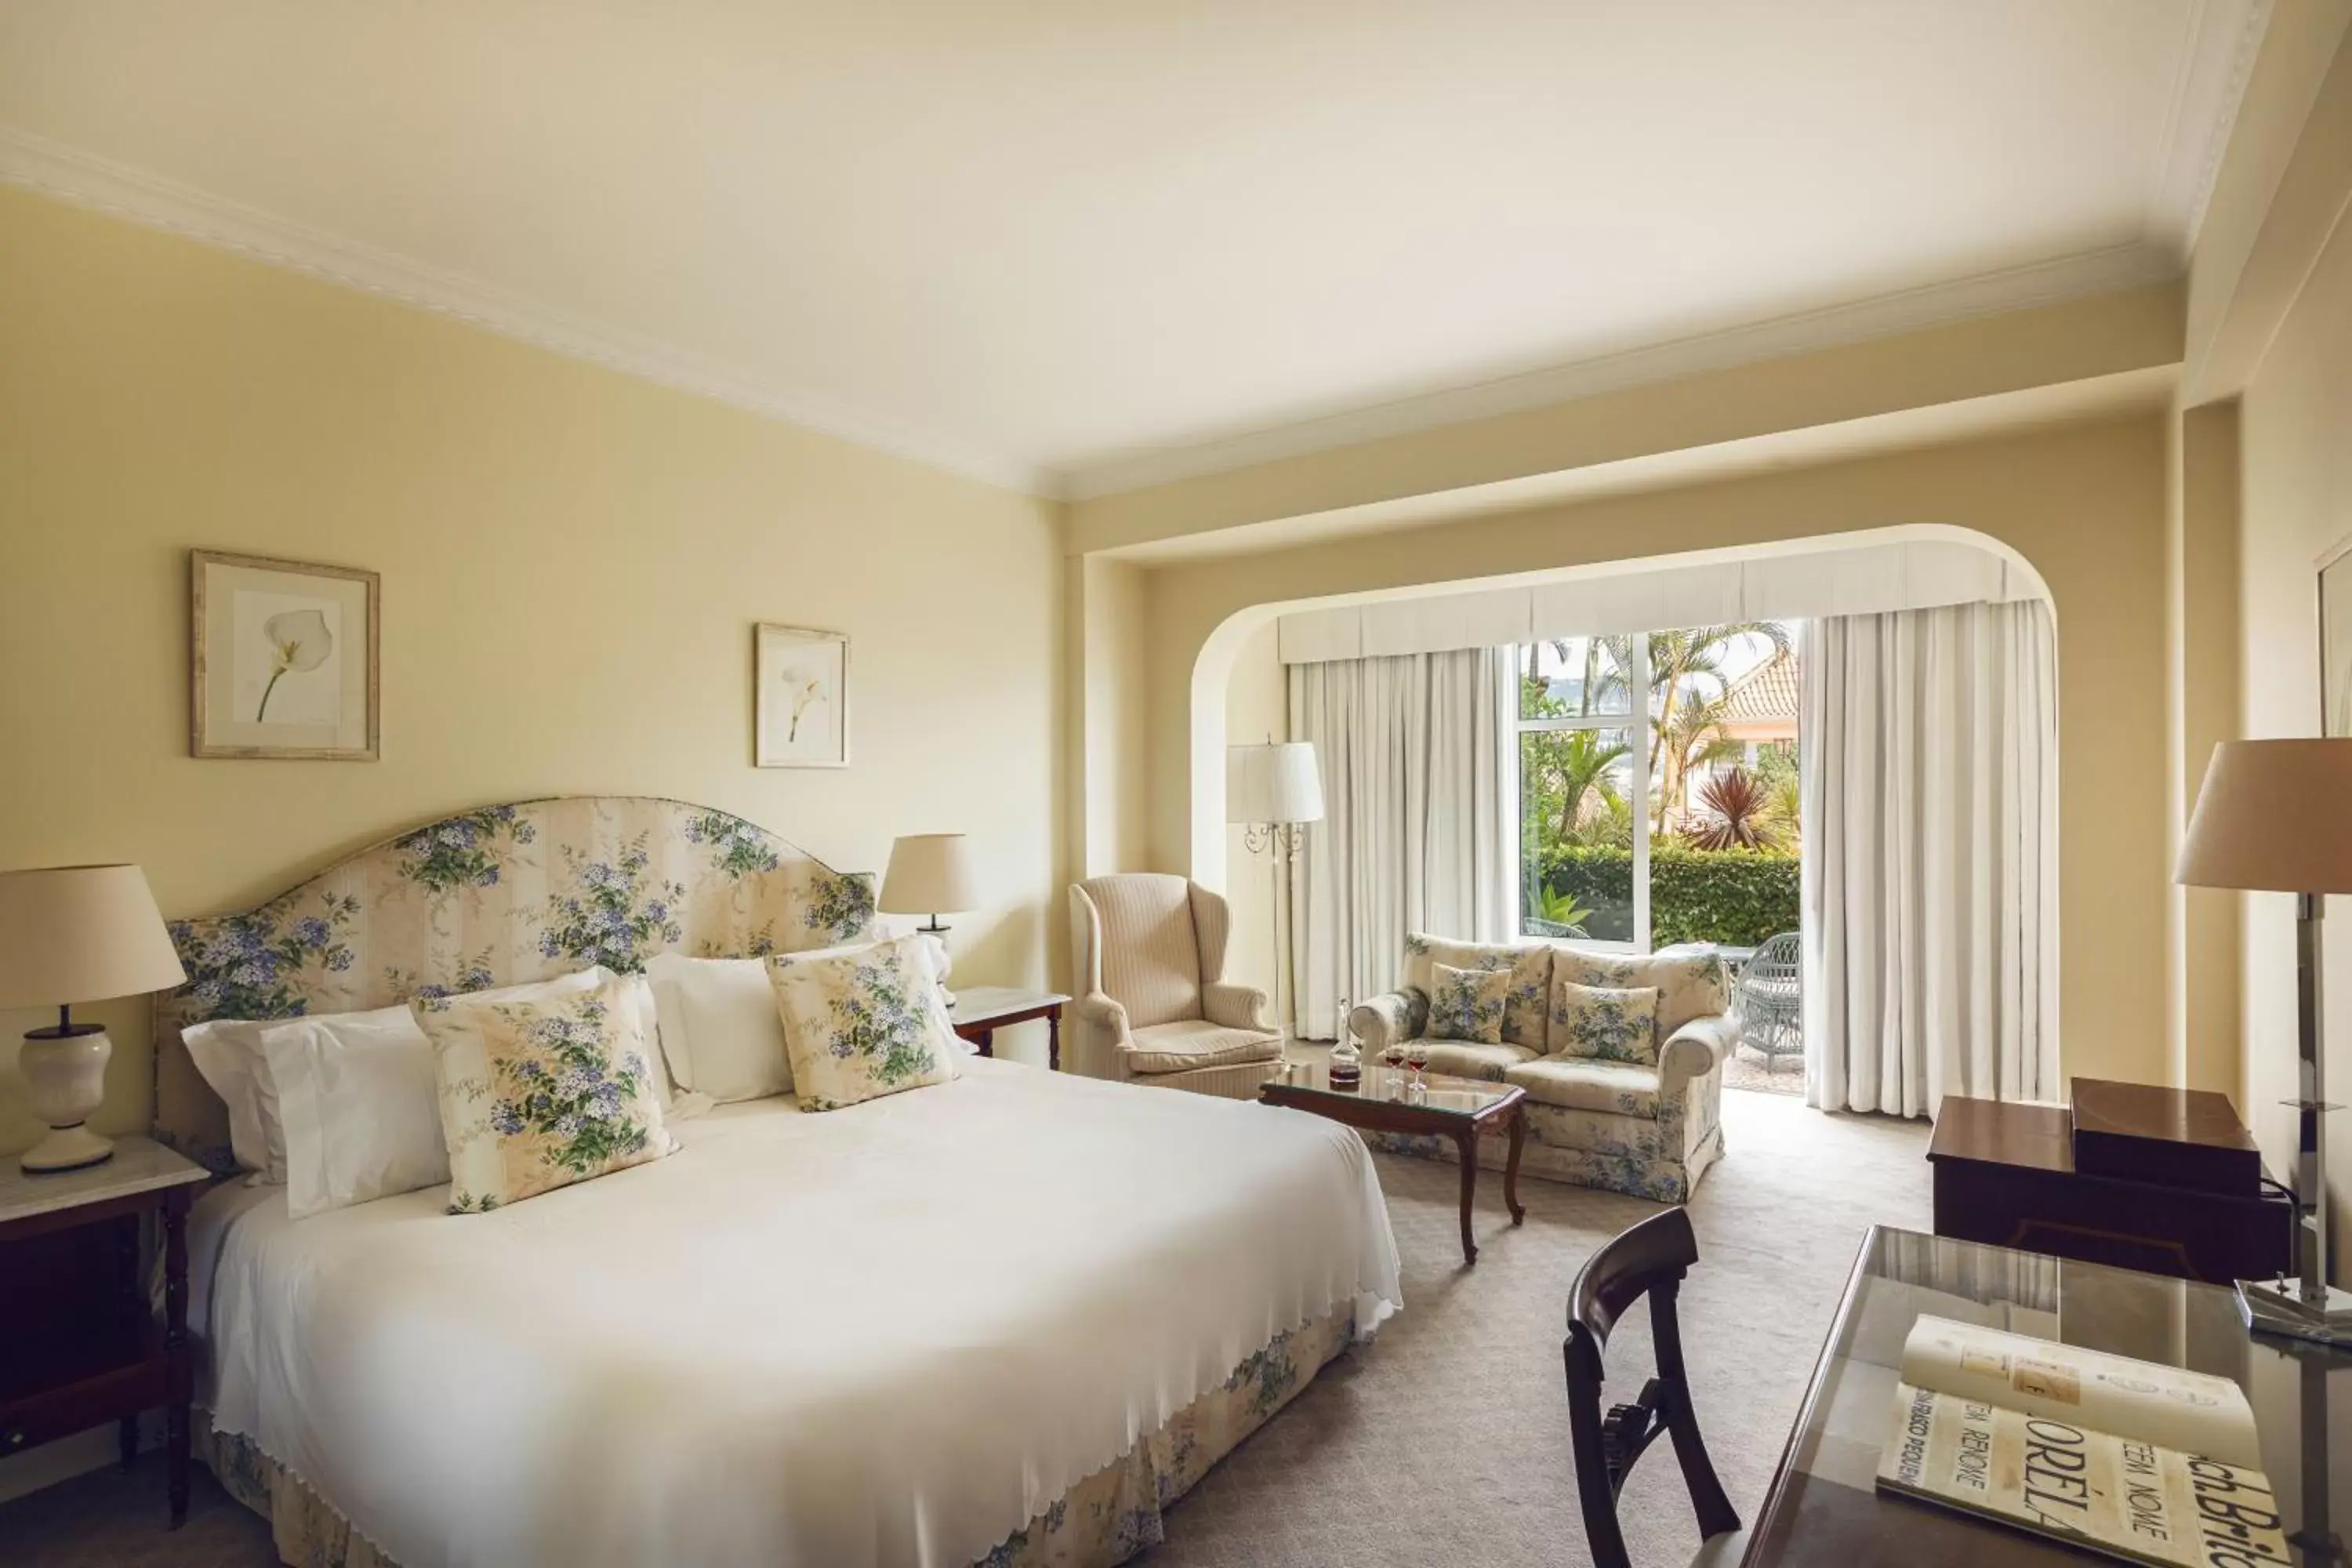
x=288, y=660
x=800, y=679
x=282, y=658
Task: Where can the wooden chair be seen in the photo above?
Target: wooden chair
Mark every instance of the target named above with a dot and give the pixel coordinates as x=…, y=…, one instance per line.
x=1645, y=1259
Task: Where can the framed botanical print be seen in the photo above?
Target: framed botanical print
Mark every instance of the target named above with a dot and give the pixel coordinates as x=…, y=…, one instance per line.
x=800, y=686
x=2336, y=641
x=282, y=658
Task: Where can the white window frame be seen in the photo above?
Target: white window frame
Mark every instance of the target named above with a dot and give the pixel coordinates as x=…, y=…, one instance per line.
x=1638, y=722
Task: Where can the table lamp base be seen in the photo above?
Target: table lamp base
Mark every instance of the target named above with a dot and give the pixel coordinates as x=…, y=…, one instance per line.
x=2277, y=1307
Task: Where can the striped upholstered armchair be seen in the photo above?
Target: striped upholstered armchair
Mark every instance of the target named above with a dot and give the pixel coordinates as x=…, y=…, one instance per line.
x=1148, y=952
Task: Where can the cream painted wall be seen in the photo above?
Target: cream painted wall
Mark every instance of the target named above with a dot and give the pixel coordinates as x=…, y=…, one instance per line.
x=2296, y=425
x=1257, y=704
x=1117, y=793
x=2072, y=340
x=2084, y=503
x=572, y=560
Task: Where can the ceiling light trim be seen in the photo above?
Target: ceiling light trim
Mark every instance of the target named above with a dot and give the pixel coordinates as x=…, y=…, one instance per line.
x=99, y=185
x=2107, y=271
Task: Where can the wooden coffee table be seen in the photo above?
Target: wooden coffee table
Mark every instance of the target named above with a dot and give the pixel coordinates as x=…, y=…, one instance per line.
x=1455, y=1108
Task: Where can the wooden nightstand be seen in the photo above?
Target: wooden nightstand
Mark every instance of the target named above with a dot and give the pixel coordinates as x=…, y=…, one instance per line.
x=79, y=1345
x=981, y=1010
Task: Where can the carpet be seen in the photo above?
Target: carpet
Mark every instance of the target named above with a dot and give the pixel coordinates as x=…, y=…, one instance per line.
x=1747, y=1068
x=1445, y=1441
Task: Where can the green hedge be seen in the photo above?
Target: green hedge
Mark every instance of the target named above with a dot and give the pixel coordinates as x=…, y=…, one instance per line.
x=1737, y=897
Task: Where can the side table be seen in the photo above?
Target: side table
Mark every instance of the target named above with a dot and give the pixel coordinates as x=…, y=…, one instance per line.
x=981, y=1010
x=81, y=1345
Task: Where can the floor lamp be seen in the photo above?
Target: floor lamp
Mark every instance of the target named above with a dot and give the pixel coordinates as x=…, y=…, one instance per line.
x=1274, y=791
x=2272, y=818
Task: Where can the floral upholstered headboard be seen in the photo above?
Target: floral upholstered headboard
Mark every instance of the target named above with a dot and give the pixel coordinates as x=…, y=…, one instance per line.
x=498, y=896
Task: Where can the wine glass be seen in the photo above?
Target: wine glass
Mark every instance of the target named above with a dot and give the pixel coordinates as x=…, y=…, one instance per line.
x=1394, y=1054
x=1416, y=1057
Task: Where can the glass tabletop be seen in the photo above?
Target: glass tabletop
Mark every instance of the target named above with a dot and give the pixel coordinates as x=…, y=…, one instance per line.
x=1448, y=1096
x=1823, y=1507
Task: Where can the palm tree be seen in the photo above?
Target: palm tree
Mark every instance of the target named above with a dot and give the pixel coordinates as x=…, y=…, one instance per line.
x=1585, y=759
x=1684, y=664
x=1694, y=741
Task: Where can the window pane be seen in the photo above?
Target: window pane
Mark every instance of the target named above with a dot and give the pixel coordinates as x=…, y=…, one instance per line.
x=1576, y=833
x=1575, y=677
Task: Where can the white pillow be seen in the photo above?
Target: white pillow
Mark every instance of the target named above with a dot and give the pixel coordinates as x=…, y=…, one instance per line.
x=719, y=1027
x=358, y=1102
x=230, y=1053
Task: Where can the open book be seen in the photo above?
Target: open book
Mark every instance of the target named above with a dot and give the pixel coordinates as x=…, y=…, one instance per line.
x=2148, y=1463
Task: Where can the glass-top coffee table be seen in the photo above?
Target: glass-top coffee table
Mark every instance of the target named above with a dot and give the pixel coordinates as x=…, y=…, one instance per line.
x=1455, y=1108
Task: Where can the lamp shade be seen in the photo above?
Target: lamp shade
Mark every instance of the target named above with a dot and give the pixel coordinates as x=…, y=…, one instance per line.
x=2274, y=817
x=81, y=934
x=1276, y=782
x=930, y=873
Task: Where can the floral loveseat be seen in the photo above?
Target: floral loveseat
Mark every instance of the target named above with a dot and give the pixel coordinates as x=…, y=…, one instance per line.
x=1650, y=1130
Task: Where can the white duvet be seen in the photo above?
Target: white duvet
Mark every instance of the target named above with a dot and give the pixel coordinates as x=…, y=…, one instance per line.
x=890, y=1335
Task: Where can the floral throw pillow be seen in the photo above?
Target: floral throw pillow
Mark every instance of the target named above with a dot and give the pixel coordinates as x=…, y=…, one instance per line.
x=862, y=1024
x=1605, y=1023
x=539, y=1094
x=1467, y=1004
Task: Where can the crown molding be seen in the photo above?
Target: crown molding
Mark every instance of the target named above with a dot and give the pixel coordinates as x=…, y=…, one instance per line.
x=70, y=175
x=2220, y=43
x=2110, y=270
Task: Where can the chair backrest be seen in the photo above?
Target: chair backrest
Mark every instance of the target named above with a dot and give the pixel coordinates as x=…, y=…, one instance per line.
x=1149, y=953
x=1778, y=963
x=1645, y=1259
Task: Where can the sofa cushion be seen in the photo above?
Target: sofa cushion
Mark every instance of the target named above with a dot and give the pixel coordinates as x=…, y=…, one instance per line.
x=1617, y=1087
x=1467, y=1059
x=1530, y=971
x=1467, y=1004
x=1602, y=1023
x=1191, y=1042
x=1690, y=982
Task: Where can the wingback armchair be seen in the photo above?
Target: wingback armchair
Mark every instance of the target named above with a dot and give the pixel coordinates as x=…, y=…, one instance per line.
x=1148, y=954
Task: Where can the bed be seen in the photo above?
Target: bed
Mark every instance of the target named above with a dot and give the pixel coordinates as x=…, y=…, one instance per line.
x=1005, y=1320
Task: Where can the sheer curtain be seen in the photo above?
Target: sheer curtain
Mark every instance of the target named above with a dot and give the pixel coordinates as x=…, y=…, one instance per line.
x=1412, y=835
x=1929, y=790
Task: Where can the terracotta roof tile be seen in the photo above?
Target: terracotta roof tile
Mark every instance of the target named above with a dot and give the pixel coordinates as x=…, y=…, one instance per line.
x=1767, y=692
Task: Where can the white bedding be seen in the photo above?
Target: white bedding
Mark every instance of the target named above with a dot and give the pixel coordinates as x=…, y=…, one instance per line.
x=890, y=1335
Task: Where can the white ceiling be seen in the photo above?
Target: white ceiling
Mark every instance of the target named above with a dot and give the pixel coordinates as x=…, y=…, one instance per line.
x=1074, y=246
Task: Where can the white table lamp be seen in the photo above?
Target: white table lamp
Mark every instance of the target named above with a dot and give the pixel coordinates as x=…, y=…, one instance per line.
x=929, y=872
x=68, y=934
x=2271, y=819
x=1275, y=790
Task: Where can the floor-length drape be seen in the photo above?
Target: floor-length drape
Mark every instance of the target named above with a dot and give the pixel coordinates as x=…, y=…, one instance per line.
x=1412, y=838
x=1928, y=789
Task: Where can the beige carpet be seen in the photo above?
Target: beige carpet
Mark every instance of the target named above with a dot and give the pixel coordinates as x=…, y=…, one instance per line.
x=1447, y=1440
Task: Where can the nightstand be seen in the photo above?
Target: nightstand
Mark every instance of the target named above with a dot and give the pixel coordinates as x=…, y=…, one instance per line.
x=981, y=1010
x=78, y=1344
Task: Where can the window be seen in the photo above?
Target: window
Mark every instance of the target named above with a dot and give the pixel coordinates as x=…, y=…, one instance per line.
x=1631, y=830
x=1583, y=826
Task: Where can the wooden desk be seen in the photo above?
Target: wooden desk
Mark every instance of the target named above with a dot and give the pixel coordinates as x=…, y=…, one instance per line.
x=1822, y=1507
x=2005, y=1176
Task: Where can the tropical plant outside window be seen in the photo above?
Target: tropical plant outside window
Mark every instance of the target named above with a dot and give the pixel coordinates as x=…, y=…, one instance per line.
x=1705, y=848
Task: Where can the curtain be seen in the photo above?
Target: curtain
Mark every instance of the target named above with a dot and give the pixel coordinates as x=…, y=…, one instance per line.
x=1411, y=836
x=1929, y=794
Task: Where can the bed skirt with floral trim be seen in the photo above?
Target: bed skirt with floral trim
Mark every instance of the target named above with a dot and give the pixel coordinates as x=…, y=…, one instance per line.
x=1104, y=1519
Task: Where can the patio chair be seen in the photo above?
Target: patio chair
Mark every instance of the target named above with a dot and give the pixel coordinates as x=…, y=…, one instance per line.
x=1768, y=998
